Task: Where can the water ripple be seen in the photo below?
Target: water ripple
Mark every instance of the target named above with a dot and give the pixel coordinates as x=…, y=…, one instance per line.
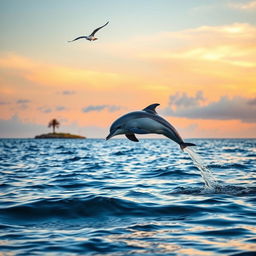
x=77, y=197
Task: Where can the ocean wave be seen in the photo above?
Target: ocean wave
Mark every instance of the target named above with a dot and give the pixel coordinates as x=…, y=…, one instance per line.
x=221, y=189
x=228, y=166
x=92, y=207
x=122, y=198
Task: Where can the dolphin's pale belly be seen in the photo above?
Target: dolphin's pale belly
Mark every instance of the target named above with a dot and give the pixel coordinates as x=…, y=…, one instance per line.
x=145, y=125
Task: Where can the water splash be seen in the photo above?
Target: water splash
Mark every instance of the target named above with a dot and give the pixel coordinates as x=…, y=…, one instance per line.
x=209, y=179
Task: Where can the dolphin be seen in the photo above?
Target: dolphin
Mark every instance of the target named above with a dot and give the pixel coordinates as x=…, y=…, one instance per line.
x=145, y=121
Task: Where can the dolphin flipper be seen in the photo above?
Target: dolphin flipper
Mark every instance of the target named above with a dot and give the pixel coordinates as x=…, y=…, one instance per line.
x=131, y=137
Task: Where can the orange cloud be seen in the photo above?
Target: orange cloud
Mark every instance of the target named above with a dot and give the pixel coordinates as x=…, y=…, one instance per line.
x=216, y=60
x=244, y=6
x=221, y=58
x=13, y=61
x=56, y=75
x=234, y=44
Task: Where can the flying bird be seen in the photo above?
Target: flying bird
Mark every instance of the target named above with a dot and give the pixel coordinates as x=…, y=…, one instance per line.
x=91, y=37
x=145, y=121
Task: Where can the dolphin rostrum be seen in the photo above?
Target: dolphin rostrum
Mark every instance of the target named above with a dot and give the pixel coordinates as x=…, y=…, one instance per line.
x=145, y=121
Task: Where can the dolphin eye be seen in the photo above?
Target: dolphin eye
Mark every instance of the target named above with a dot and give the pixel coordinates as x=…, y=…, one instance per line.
x=118, y=127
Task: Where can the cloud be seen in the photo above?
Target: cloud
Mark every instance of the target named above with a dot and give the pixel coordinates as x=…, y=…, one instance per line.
x=60, y=108
x=98, y=108
x=236, y=108
x=23, y=101
x=218, y=60
x=45, y=109
x=252, y=101
x=232, y=44
x=58, y=75
x=183, y=100
x=16, y=62
x=4, y=103
x=16, y=128
x=67, y=92
x=248, y=6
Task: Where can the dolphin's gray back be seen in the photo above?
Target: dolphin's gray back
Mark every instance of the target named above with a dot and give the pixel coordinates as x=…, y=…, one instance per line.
x=169, y=132
x=132, y=115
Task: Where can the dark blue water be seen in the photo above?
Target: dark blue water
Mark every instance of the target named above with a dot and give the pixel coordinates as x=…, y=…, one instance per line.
x=96, y=197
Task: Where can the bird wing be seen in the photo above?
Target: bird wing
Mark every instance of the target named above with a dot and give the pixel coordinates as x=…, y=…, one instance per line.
x=77, y=38
x=97, y=29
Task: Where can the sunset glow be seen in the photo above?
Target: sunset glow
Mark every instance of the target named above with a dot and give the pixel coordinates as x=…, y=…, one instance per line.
x=201, y=70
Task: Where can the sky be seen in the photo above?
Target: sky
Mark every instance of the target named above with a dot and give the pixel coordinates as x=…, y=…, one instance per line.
x=197, y=59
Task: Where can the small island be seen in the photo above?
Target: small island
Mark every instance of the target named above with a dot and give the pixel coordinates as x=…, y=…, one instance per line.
x=59, y=136
x=53, y=135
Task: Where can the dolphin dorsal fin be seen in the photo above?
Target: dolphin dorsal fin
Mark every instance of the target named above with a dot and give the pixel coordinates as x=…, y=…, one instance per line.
x=151, y=108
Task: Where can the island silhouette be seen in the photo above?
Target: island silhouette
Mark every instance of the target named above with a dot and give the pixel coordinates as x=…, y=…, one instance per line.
x=54, y=123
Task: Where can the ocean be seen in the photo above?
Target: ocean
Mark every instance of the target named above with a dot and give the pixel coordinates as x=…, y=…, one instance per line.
x=116, y=197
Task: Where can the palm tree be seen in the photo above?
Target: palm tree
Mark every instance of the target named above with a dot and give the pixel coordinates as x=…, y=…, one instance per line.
x=54, y=123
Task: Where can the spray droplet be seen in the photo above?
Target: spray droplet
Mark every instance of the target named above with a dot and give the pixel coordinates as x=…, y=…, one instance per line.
x=206, y=173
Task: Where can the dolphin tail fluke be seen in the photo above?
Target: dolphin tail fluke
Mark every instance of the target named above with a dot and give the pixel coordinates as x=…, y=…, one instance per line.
x=184, y=145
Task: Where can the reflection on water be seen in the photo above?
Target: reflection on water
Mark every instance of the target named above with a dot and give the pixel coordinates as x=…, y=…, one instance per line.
x=92, y=197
